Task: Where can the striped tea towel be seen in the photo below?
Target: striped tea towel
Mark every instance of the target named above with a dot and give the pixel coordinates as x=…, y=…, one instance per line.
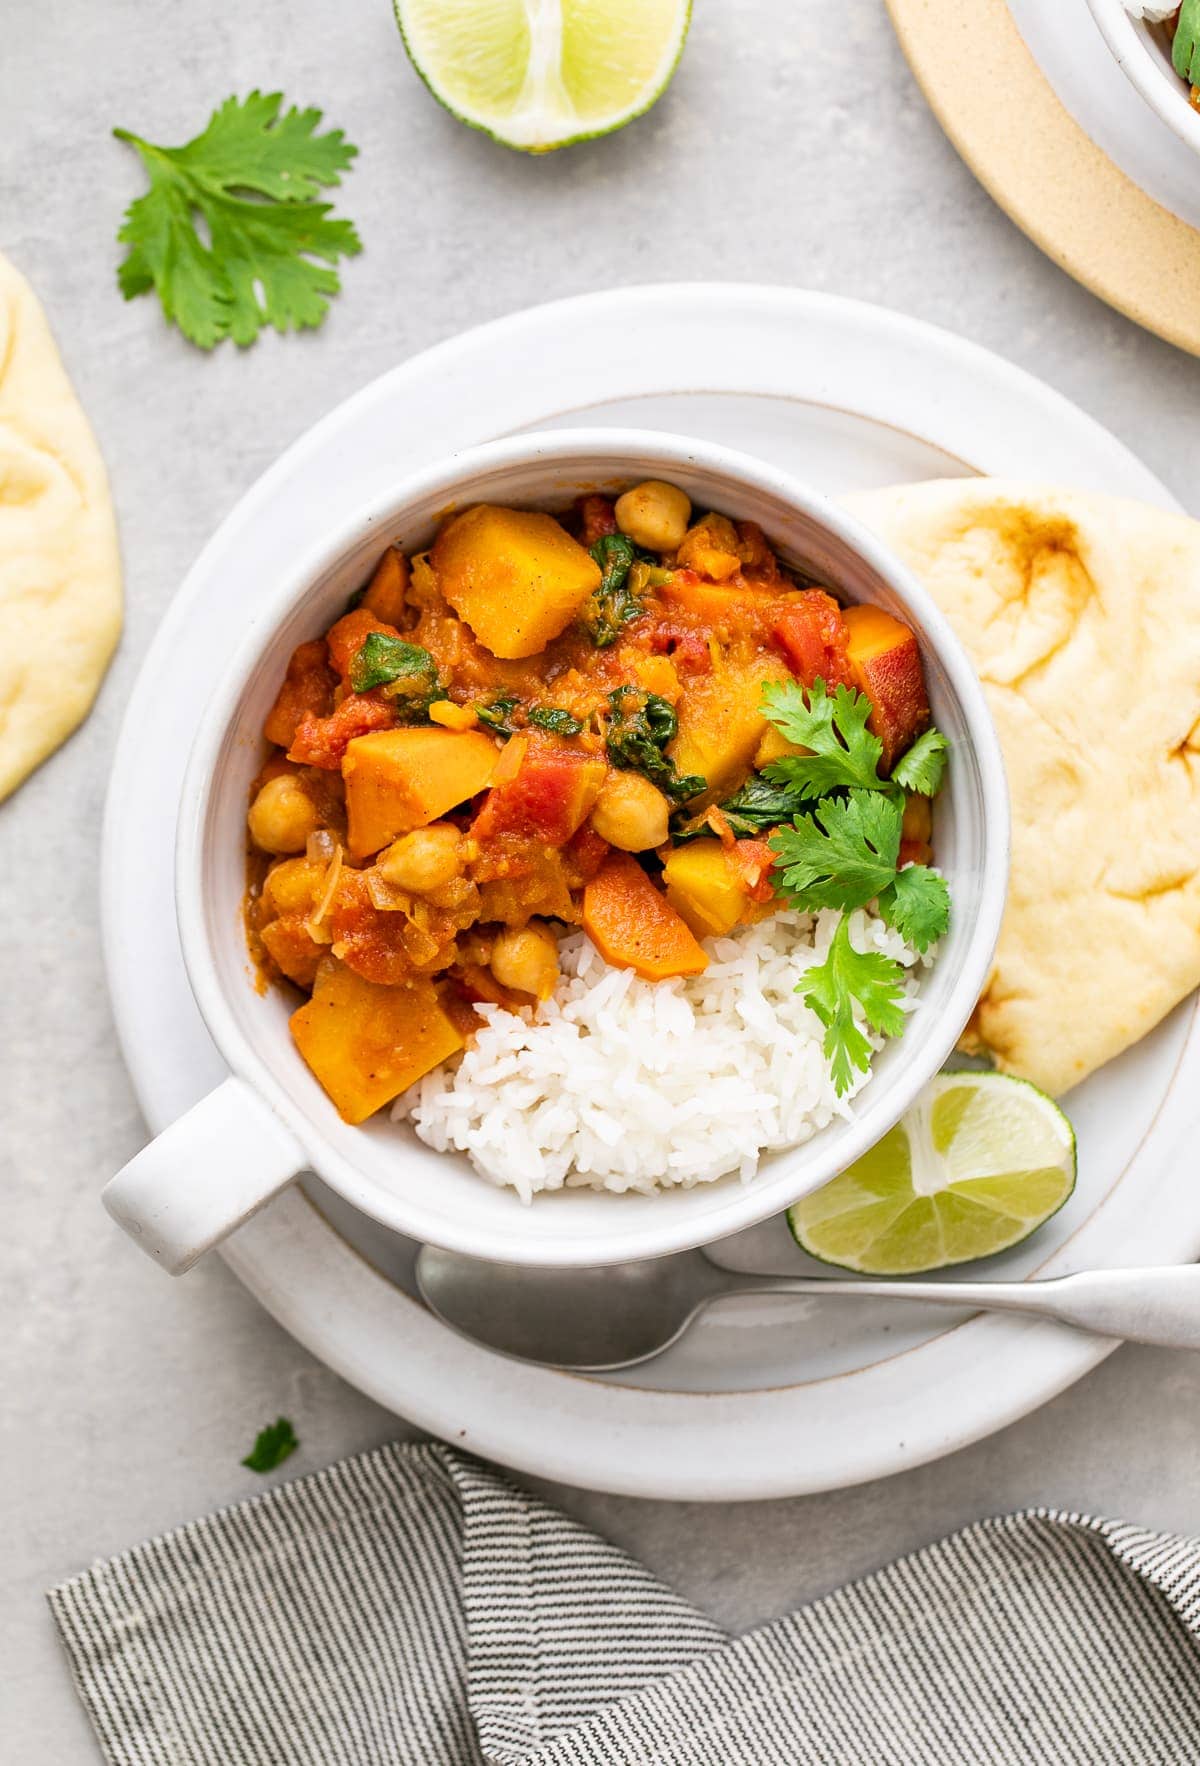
x=411, y=1606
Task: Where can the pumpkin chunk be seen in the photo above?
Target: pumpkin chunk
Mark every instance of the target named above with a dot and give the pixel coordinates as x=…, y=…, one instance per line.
x=367, y=1044
x=516, y=577
x=634, y=926
x=397, y=780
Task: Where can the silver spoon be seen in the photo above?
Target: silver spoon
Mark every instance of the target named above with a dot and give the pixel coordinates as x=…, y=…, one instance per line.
x=599, y=1320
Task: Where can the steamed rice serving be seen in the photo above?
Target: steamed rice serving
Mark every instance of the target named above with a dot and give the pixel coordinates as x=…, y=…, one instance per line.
x=622, y=1084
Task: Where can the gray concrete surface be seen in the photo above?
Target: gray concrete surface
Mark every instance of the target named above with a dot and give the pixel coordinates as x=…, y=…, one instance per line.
x=807, y=159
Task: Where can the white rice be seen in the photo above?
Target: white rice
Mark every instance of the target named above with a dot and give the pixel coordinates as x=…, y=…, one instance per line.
x=622, y=1084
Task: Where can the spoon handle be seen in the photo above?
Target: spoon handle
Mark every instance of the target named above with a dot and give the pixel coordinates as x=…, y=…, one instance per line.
x=1159, y=1306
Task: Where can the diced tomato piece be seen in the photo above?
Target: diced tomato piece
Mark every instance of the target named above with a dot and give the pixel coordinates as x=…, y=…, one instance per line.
x=914, y=852
x=584, y=854
x=813, y=637
x=307, y=687
x=753, y=861
x=548, y=797
x=322, y=741
x=597, y=517
x=347, y=637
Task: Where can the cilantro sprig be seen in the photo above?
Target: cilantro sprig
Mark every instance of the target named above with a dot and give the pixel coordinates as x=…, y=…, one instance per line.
x=832, y=988
x=842, y=850
x=842, y=751
x=252, y=176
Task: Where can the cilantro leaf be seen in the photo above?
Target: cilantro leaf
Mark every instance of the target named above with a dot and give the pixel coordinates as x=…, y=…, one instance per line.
x=843, y=751
x=842, y=854
x=272, y=1446
x=252, y=176
x=846, y=979
x=923, y=767
x=917, y=904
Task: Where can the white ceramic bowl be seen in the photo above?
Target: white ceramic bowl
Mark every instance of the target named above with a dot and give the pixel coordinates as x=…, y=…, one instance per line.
x=231, y=1153
x=1143, y=52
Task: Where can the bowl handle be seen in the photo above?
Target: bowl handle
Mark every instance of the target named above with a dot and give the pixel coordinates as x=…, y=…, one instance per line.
x=204, y=1176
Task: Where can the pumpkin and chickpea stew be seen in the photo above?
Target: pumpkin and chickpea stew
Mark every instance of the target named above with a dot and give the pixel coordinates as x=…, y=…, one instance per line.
x=627, y=718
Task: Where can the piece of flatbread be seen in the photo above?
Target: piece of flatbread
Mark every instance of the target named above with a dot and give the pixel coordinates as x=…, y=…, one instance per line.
x=60, y=571
x=1082, y=615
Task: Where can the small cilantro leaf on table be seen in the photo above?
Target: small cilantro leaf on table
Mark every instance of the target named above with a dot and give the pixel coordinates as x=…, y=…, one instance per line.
x=272, y=1446
x=917, y=905
x=922, y=769
x=842, y=854
x=252, y=177
x=847, y=978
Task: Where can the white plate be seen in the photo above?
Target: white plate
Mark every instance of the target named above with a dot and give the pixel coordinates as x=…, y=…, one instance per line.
x=764, y=1398
x=1069, y=47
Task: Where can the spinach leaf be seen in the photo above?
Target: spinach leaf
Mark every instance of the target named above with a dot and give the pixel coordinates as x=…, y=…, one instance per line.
x=498, y=715
x=614, y=603
x=640, y=726
x=555, y=719
x=406, y=669
x=759, y=805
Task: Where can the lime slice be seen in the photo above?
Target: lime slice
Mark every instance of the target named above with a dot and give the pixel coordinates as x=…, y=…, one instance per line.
x=539, y=74
x=978, y=1163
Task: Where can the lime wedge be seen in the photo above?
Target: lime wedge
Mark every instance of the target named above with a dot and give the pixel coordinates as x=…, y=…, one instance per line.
x=978, y=1163
x=539, y=74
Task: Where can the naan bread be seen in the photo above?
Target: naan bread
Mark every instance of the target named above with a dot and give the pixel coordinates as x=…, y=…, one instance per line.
x=60, y=572
x=1082, y=615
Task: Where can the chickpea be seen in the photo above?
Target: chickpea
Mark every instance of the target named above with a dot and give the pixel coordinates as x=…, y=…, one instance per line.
x=293, y=885
x=424, y=860
x=631, y=813
x=283, y=815
x=654, y=515
x=526, y=958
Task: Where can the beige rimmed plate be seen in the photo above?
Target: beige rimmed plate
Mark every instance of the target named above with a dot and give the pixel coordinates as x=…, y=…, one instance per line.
x=1033, y=100
x=764, y=1398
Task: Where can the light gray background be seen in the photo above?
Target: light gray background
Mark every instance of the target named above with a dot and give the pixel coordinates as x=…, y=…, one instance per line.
x=807, y=158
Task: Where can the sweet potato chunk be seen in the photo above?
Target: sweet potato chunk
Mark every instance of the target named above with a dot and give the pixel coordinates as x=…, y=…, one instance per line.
x=721, y=723
x=548, y=797
x=387, y=592
x=885, y=664
x=367, y=1044
x=516, y=577
x=703, y=888
x=716, y=887
x=397, y=780
x=634, y=926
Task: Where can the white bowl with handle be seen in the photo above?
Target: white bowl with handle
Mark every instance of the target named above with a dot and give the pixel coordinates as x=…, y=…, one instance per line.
x=1141, y=48
x=270, y=1121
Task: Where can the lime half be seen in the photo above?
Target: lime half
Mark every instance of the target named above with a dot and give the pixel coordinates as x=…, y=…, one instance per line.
x=539, y=74
x=978, y=1163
